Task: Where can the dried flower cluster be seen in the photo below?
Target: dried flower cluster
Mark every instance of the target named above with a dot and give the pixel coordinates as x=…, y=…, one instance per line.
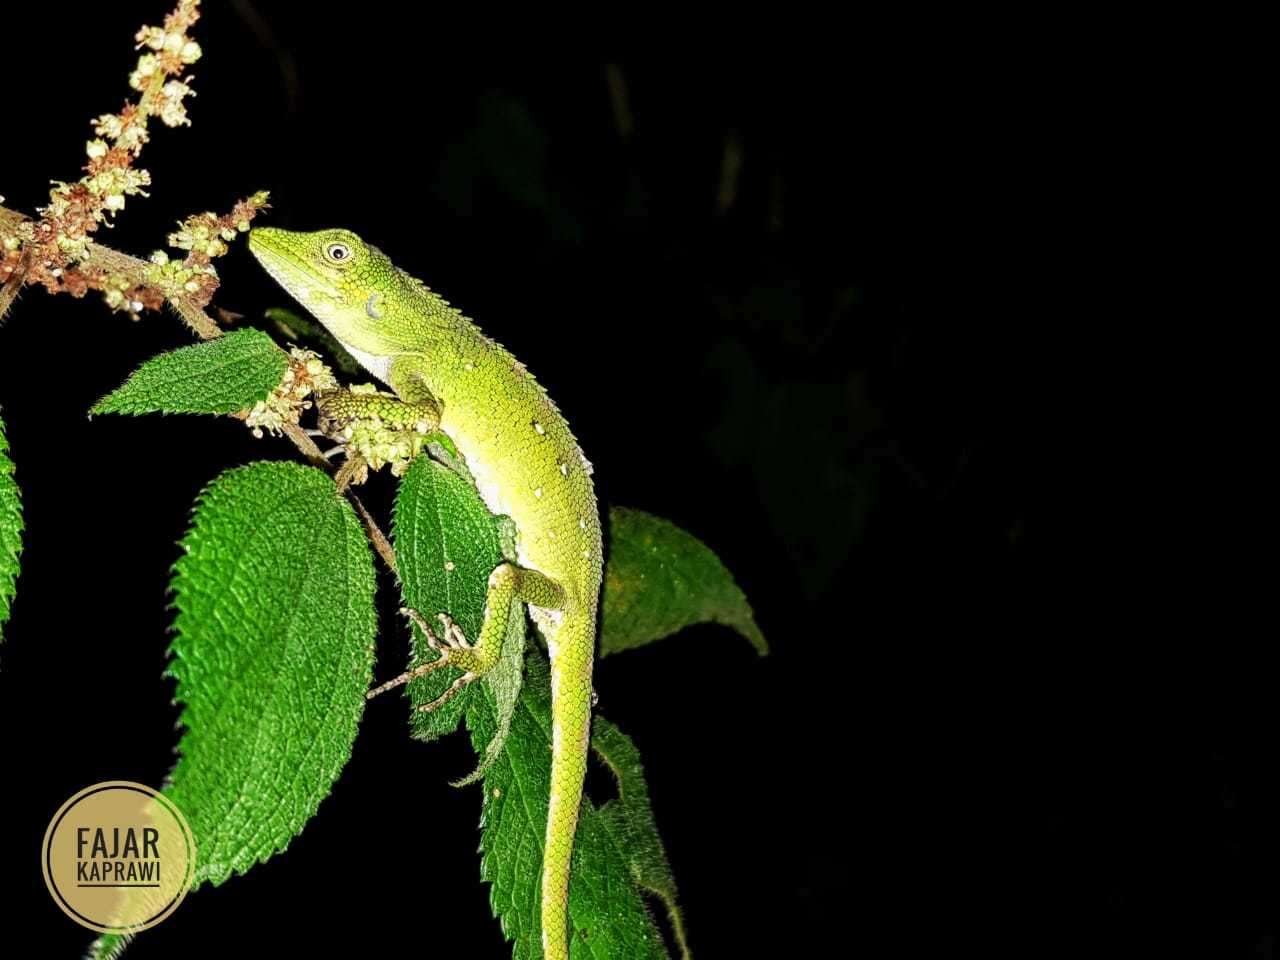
x=204, y=237
x=306, y=375
x=384, y=435
x=75, y=210
x=57, y=251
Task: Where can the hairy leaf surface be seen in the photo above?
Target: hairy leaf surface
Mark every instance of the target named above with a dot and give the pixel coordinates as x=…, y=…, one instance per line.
x=10, y=529
x=660, y=579
x=447, y=543
x=225, y=375
x=273, y=657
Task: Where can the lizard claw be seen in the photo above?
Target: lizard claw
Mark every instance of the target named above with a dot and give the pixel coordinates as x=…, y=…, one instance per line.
x=433, y=641
x=453, y=634
x=443, y=651
x=453, y=690
x=450, y=636
x=450, y=640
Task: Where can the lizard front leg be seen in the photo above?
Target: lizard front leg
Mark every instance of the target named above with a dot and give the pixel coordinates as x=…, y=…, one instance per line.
x=507, y=582
x=375, y=428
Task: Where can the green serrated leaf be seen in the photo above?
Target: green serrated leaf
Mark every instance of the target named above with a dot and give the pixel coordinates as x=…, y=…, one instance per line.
x=225, y=375
x=658, y=579
x=273, y=656
x=446, y=546
x=447, y=543
x=630, y=824
x=109, y=946
x=10, y=529
x=607, y=913
x=504, y=683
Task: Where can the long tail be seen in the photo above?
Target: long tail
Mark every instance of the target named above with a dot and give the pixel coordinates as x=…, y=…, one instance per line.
x=571, y=655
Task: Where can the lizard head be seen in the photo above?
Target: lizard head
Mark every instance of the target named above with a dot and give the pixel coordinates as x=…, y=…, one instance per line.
x=339, y=278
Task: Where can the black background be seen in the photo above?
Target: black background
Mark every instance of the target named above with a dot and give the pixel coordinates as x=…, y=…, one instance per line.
x=837, y=382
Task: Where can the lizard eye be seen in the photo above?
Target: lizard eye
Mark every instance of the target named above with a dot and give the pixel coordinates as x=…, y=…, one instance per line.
x=338, y=252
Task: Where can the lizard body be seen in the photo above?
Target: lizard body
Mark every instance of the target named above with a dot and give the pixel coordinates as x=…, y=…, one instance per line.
x=526, y=463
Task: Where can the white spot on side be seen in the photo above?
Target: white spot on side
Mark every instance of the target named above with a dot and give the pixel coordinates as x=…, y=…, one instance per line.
x=538, y=428
x=582, y=524
x=549, y=620
x=586, y=464
x=486, y=480
x=564, y=469
x=538, y=493
x=468, y=366
x=448, y=565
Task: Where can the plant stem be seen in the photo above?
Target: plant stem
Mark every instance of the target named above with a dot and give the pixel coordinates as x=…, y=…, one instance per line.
x=117, y=263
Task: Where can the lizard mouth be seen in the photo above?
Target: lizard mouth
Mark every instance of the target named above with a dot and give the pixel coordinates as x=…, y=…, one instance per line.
x=284, y=267
x=265, y=249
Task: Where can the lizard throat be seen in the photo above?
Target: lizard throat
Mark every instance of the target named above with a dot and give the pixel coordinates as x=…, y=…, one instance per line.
x=379, y=366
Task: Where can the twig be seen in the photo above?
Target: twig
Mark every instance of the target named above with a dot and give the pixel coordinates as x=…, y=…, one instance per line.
x=307, y=447
x=380, y=541
x=76, y=211
x=9, y=292
x=114, y=262
x=102, y=260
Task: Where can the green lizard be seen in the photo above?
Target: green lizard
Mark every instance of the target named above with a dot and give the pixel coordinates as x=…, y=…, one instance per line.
x=526, y=464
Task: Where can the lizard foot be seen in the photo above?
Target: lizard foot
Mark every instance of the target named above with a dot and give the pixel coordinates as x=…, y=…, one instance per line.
x=454, y=689
x=450, y=644
x=433, y=642
x=450, y=641
x=453, y=634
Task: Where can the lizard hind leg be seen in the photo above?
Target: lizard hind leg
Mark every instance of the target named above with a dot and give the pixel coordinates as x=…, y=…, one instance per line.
x=453, y=640
x=442, y=658
x=506, y=583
